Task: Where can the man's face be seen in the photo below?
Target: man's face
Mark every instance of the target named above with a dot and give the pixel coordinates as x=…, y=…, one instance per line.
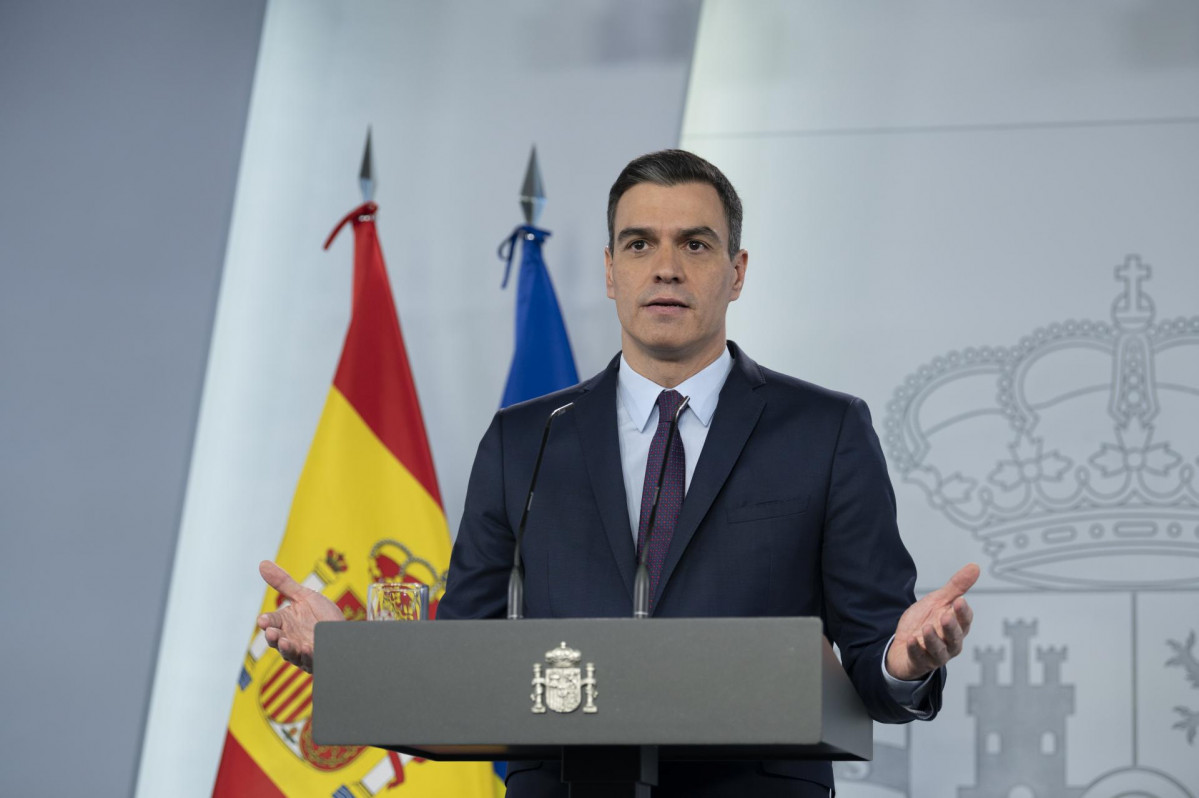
x=670, y=272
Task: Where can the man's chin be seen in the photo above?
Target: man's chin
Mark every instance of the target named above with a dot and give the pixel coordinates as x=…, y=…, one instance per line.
x=669, y=350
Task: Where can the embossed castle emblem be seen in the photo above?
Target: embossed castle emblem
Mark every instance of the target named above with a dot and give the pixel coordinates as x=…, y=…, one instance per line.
x=1071, y=455
x=562, y=686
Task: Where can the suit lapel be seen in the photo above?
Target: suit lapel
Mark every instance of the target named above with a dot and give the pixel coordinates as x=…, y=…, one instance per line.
x=595, y=419
x=736, y=416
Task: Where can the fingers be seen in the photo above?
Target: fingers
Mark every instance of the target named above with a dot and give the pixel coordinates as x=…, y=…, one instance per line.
x=295, y=654
x=280, y=580
x=935, y=647
x=962, y=581
x=948, y=636
x=289, y=650
x=920, y=661
x=964, y=615
x=952, y=635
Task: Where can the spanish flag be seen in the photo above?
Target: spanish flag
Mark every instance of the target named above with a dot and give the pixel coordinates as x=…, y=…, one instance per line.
x=367, y=508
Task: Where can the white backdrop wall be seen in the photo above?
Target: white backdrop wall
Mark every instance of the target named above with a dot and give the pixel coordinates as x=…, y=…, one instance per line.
x=456, y=93
x=926, y=179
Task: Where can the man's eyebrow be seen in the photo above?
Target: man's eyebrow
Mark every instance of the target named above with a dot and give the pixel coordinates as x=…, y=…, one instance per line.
x=635, y=232
x=703, y=231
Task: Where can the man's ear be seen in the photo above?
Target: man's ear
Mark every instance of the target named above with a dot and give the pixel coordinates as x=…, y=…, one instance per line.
x=608, y=273
x=740, y=264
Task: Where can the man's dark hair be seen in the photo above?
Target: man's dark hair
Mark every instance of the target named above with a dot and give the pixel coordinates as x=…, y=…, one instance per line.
x=671, y=168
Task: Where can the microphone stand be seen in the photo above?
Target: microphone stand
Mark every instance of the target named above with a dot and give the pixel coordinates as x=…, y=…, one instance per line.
x=516, y=580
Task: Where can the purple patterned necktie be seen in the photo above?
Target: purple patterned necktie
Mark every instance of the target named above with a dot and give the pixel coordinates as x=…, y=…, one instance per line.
x=673, y=486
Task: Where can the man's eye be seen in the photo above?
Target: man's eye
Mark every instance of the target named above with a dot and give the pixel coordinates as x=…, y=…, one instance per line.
x=638, y=245
x=696, y=246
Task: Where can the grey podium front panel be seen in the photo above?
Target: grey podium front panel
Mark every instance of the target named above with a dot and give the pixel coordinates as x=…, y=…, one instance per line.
x=746, y=686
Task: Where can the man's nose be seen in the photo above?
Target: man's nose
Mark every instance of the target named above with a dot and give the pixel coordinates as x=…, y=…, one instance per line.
x=668, y=267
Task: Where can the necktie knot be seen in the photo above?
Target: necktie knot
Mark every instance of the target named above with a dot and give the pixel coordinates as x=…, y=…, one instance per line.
x=668, y=405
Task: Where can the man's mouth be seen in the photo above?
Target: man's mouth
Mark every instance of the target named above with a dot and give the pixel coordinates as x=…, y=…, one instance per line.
x=666, y=302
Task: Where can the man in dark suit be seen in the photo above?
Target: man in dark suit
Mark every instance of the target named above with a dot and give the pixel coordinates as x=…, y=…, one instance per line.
x=776, y=499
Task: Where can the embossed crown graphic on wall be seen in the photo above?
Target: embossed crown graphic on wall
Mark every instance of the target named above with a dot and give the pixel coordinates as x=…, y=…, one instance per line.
x=1072, y=455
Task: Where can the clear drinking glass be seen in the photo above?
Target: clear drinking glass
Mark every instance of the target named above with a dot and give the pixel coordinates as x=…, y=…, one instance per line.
x=397, y=601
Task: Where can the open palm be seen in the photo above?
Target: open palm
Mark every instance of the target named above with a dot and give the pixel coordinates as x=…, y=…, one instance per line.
x=931, y=631
x=290, y=628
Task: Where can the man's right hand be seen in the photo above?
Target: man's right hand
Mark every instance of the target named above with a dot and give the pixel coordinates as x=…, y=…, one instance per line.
x=290, y=628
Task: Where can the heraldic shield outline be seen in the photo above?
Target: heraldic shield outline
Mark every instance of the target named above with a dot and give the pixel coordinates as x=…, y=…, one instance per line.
x=562, y=690
x=562, y=687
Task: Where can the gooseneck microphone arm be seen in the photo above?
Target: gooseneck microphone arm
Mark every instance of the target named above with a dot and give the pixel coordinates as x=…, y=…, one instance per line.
x=641, y=580
x=516, y=580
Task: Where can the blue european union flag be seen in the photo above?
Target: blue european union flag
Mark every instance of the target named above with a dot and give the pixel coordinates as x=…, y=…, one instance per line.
x=542, y=361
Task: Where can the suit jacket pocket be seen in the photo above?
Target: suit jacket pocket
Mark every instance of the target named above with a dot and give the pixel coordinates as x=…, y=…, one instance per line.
x=769, y=509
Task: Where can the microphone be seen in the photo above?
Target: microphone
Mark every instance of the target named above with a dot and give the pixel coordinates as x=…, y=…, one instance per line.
x=641, y=580
x=516, y=580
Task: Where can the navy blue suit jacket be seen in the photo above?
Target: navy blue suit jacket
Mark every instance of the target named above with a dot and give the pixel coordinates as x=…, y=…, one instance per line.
x=790, y=511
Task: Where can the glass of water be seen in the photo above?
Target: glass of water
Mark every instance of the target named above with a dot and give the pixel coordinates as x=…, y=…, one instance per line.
x=397, y=601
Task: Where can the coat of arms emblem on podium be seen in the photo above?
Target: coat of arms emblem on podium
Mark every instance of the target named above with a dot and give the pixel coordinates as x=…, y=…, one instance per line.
x=563, y=686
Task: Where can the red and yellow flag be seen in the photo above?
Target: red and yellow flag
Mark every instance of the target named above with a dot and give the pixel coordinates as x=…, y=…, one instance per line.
x=367, y=508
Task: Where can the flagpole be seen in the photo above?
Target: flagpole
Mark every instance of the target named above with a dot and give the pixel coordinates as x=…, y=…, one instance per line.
x=542, y=360
x=366, y=173
x=532, y=193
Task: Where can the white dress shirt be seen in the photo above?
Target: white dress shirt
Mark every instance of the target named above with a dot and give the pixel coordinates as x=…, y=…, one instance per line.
x=637, y=421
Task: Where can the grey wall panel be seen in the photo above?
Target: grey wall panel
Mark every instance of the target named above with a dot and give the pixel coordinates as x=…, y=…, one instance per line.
x=121, y=124
x=947, y=206
x=803, y=66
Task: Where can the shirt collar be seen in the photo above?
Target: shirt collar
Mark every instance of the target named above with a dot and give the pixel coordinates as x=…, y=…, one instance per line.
x=639, y=394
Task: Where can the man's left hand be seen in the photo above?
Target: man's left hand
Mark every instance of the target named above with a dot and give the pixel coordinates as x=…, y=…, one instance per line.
x=931, y=631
